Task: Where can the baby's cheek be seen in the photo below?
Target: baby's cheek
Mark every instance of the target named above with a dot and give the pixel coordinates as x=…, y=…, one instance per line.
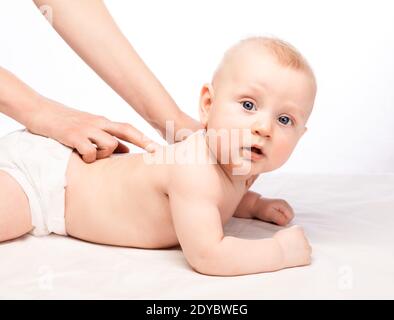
x=281, y=153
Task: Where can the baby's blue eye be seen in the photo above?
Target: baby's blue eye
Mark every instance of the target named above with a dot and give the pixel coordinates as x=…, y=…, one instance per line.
x=285, y=120
x=248, y=105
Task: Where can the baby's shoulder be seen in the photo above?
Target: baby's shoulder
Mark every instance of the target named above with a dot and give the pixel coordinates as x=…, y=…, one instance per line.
x=195, y=173
x=198, y=179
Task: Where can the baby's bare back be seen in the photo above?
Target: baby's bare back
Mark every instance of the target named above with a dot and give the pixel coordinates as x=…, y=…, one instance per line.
x=119, y=201
x=125, y=200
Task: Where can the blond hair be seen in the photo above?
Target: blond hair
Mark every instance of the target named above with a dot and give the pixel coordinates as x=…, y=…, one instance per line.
x=285, y=54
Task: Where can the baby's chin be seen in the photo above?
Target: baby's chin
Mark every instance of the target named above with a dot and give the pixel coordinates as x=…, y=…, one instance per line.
x=244, y=167
x=248, y=168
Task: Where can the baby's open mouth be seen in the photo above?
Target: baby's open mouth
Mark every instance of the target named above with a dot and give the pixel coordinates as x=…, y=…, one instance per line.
x=254, y=150
x=254, y=153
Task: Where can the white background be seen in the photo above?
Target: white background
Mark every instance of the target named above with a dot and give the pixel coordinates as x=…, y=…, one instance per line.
x=350, y=45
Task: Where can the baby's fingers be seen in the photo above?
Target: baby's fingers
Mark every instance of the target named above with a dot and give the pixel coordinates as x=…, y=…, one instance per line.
x=285, y=209
x=279, y=218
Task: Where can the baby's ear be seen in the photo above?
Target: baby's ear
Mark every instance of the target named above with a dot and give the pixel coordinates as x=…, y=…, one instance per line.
x=206, y=96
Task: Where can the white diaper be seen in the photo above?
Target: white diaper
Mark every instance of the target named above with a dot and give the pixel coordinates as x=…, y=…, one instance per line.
x=39, y=165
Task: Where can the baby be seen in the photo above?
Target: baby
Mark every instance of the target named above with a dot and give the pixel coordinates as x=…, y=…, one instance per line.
x=254, y=112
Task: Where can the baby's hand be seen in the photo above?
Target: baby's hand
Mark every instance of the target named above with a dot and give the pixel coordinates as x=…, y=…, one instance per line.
x=295, y=246
x=277, y=211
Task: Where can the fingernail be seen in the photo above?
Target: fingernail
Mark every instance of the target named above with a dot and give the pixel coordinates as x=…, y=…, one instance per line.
x=151, y=147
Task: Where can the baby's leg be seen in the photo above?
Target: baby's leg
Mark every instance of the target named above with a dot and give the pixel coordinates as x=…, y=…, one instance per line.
x=15, y=217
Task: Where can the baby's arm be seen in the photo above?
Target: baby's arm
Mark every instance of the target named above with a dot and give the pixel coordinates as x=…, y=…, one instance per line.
x=199, y=229
x=253, y=205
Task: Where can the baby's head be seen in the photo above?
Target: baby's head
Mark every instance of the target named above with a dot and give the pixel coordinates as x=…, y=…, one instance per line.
x=263, y=91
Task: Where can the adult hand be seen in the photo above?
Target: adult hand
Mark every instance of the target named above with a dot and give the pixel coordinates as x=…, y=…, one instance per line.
x=108, y=52
x=184, y=126
x=94, y=137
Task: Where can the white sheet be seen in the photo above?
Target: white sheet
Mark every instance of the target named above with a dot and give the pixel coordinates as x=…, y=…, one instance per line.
x=348, y=219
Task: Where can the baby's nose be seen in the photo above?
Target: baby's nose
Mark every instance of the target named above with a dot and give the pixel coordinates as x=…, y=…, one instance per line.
x=262, y=127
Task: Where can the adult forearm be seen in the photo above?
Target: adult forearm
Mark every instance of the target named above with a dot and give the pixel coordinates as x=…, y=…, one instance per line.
x=89, y=29
x=235, y=256
x=17, y=100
